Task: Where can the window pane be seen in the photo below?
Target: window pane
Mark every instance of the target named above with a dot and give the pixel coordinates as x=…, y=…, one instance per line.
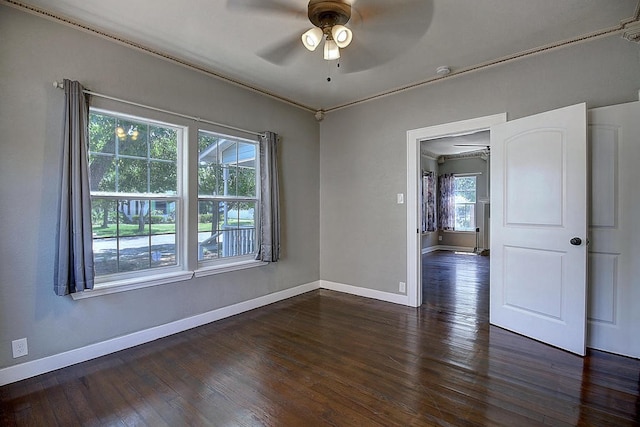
x=133, y=239
x=125, y=158
x=247, y=182
x=102, y=170
x=465, y=198
x=163, y=250
x=102, y=137
x=209, y=239
x=132, y=156
x=133, y=218
x=163, y=177
x=465, y=217
x=210, y=181
x=132, y=176
x=238, y=230
x=163, y=143
x=105, y=231
x=103, y=218
x=228, y=152
x=162, y=220
x=131, y=138
x=229, y=177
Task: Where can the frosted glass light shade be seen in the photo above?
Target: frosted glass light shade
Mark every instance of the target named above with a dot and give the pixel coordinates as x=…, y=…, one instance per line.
x=342, y=35
x=331, y=50
x=311, y=39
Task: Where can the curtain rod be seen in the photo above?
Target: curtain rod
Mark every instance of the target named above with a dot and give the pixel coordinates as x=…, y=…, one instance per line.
x=59, y=85
x=468, y=174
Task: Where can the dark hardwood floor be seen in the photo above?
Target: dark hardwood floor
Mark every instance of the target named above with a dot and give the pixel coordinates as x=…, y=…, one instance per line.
x=325, y=358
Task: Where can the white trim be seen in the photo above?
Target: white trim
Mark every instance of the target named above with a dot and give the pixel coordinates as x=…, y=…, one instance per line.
x=448, y=248
x=50, y=363
x=414, y=137
x=365, y=292
x=455, y=248
x=133, y=283
x=430, y=249
x=225, y=268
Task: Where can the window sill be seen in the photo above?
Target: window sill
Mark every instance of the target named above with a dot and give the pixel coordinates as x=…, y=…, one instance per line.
x=131, y=284
x=162, y=279
x=225, y=268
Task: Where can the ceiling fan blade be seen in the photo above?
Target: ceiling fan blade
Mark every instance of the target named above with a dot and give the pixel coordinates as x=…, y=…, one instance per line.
x=383, y=30
x=283, y=52
x=395, y=15
x=269, y=6
x=358, y=57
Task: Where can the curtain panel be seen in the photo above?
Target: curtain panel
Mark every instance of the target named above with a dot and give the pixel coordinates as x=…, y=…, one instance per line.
x=428, y=201
x=74, y=255
x=269, y=237
x=446, y=202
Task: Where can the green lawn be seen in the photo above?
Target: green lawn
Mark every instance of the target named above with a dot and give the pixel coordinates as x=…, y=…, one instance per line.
x=130, y=230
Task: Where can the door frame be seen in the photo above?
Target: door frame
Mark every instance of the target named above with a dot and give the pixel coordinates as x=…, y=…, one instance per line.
x=414, y=236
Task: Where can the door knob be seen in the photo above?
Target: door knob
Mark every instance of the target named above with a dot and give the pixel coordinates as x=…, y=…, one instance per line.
x=576, y=241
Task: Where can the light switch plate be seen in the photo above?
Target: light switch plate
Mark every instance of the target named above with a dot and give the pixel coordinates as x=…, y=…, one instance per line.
x=400, y=198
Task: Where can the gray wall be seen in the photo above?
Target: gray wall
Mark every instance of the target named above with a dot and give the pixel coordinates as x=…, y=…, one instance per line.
x=363, y=148
x=34, y=52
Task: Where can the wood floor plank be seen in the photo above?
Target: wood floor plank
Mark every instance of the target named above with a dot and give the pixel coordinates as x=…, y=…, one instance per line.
x=327, y=358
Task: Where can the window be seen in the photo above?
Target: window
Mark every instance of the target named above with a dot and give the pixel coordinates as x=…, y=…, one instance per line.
x=139, y=176
x=465, y=199
x=227, y=197
x=135, y=194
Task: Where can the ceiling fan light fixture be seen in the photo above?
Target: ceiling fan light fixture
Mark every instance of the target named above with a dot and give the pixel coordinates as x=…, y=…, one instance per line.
x=341, y=35
x=331, y=50
x=312, y=38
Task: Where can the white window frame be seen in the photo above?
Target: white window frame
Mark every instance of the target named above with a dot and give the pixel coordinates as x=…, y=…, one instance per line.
x=222, y=265
x=473, y=217
x=186, y=197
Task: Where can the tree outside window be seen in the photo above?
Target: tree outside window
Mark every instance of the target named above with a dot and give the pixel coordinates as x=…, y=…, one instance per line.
x=465, y=199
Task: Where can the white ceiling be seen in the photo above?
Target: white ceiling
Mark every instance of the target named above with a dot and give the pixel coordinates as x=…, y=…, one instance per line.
x=399, y=43
x=452, y=145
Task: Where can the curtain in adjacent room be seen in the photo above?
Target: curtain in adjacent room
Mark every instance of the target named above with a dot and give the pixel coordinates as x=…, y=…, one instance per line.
x=446, y=202
x=428, y=201
x=269, y=238
x=74, y=255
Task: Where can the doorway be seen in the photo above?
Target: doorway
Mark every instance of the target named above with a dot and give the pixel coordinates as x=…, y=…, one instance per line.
x=414, y=236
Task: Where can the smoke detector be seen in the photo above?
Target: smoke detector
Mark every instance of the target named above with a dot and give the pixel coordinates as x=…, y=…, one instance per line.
x=443, y=71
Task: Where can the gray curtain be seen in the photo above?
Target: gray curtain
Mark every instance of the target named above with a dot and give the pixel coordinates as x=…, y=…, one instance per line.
x=428, y=201
x=74, y=255
x=446, y=202
x=269, y=238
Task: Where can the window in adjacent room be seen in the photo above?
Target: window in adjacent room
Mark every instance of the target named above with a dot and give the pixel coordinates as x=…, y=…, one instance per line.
x=465, y=199
x=135, y=193
x=227, y=198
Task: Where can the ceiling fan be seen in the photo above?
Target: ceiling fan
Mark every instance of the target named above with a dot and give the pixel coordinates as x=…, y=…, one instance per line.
x=375, y=30
x=487, y=147
x=328, y=18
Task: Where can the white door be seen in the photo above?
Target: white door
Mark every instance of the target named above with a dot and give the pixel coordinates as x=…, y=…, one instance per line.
x=614, y=227
x=539, y=204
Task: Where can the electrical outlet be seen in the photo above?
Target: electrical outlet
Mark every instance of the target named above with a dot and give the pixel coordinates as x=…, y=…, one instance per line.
x=19, y=347
x=402, y=287
x=439, y=238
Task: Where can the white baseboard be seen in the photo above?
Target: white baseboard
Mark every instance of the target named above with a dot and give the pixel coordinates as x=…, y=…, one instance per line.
x=454, y=248
x=50, y=363
x=364, y=292
x=430, y=249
